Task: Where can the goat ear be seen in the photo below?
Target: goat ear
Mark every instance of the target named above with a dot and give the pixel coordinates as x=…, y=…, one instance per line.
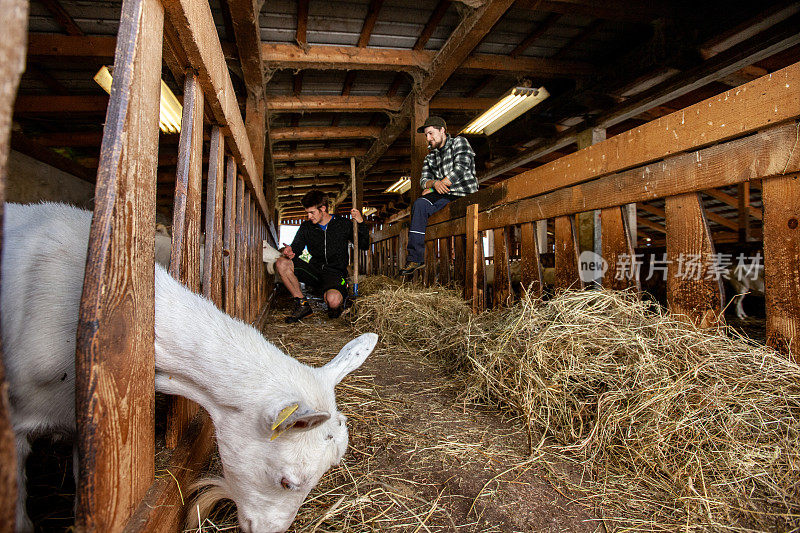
x=295, y=416
x=350, y=357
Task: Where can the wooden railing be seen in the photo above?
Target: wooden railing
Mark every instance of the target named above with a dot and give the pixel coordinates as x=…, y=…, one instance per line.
x=745, y=134
x=118, y=488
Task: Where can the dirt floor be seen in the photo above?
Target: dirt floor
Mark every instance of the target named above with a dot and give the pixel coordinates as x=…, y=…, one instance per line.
x=420, y=459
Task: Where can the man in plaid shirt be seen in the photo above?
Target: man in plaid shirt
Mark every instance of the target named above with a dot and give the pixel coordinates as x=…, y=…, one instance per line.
x=448, y=172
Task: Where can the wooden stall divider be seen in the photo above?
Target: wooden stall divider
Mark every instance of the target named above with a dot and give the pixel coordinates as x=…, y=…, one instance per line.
x=502, y=278
x=445, y=259
x=237, y=260
x=229, y=238
x=115, y=369
x=781, y=267
x=566, y=254
x=689, y=255
x=618, y=251
x=473, y=259
x=215, y=185
x=460, y=258
x=530, y=265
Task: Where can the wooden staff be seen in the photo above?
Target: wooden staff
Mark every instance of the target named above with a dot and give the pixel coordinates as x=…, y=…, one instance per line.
x=355, y=225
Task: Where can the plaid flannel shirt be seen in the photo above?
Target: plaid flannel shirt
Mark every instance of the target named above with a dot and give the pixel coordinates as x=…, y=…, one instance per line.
x=454, y=160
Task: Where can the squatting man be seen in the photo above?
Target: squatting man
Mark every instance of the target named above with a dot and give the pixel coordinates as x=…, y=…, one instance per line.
x=448, y=172
x=326, y=237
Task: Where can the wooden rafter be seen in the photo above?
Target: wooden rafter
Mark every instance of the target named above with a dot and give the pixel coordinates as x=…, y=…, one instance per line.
x=327, y=153
x=300, y=35
x=727, y=199
x=325, y=133
x=334, y=170
x=541, y=28
x=582, y=36
x=62, y=17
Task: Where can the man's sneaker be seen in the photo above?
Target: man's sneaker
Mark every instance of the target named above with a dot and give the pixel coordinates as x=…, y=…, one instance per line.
x=335, y=312
x=301, y=310
x=411, y=267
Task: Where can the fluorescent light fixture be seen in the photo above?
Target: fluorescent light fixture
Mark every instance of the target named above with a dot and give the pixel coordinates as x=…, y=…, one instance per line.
x=400, y=186
x=513, y=104
x=367, y=211
x=170, y=109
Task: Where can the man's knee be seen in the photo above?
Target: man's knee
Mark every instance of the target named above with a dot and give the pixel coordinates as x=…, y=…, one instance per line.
x=284, y=265
x=333, y=298
x=421, y=203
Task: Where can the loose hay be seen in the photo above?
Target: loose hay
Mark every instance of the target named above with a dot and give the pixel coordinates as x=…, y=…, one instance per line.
x=680, y=429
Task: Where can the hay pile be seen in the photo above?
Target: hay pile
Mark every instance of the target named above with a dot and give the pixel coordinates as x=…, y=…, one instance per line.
x=679, y=429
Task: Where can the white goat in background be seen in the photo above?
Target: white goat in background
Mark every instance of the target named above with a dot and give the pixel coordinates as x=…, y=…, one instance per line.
x=245, y=383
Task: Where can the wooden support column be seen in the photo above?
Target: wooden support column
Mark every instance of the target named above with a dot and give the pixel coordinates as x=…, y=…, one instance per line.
x=445, y=259
x=473, y=258
x=430, y=263
x=743, y=200
x=402, y=247
x=530, y=266
x=215, y=186
x=184, y=261
x=781, y=267
x=14, y=27
x=617, y=250
x=589, y=222
x=689, y=255
x=419, y=146
x=567, y=275
x=502, y=278
x=229, y=238
x=115, y=360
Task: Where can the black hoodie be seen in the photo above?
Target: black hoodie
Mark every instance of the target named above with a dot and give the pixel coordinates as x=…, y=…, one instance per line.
x=328, y=247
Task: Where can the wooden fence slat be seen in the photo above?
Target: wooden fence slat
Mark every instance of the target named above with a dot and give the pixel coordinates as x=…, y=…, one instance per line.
x=781, y=266
x=445, y=260
x=212, y=274
x=402, y=247
x=237, y=261
x=115, y=360
x=473, y=257
x=530, y=265
x=689, y=255
x=184, y=262
x=12, y=64
x=459, y=258
x=616, y=245
x=430, y=263
x=567, y=275
x=229, y=238
x=502, y=278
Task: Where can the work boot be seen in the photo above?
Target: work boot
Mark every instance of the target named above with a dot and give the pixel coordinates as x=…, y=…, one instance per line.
x=335, y=312
x=411, y=267
x=301, y=310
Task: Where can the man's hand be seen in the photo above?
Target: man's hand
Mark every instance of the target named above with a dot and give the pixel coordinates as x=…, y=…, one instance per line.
x=442, y=186
x=287, y=252
x=356, y=214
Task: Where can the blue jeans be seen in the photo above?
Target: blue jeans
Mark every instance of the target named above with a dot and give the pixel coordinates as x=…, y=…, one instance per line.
x=423, y=207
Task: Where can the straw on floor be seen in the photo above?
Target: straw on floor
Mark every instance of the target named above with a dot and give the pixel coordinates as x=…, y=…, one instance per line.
x=678, y=429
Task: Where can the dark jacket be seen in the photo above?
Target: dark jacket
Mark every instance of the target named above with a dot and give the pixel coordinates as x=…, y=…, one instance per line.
x=328, y=247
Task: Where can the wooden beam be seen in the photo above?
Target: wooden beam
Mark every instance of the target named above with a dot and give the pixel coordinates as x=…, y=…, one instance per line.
x=592, y=28
x=31, y=148
x=334, y=170
x=616, y=243
x=302, y=22
x=329, y=153
x=62, y=17
x=567, y=275
x=416, y=62
x=115, y=388
x=642, y=12
x=100, y=47
x=540, y=29
x=733, y=202
x=474, y=244
x=327, y=104
x=325, y=133
x=430, y=26
x=13, y=27
x=369, y=23
x=248, y=42
x=768, y=100
x=195, y=27
x=61, y=104
x=530, y=266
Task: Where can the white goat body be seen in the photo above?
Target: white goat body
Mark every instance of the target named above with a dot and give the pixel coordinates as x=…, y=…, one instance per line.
x=746, y=280
x=242, y=380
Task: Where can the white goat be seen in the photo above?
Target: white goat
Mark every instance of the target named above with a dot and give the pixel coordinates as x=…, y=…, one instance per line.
x=245, y=383
x=270, y=255
x=746, y=280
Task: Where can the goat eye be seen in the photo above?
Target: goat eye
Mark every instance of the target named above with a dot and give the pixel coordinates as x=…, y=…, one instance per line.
x=286, y=484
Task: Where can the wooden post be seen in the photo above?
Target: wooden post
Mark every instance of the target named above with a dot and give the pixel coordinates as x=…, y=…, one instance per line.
x=229, y=238
x=473, y=257
x=430, y=263
x=743, y=198
x=356, y=205
x=459, y=258
x=419, y=146
x=114, y=363
x=689, y=255
x=616, y=244
x=445, y=259
x=12, y=64
x=781, y=267
x=530, y=266
x=237, y=260
x=567, y=275
x=402, y=247
x=184, y=262
x=502, y=279
x=212, y=271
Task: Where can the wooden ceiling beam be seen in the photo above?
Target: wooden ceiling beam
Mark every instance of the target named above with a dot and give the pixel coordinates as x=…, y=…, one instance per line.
x=62, y=17
x=325, y=133
x=46, y=104
x=732, y=201
x=329, y=153
x=333, y=170
x=541, y=28
x=369, y=23
x=640, y=12
x=40, y=152
x=430, y=26
x=100, y=47
x=302, y=22
x=358, y=104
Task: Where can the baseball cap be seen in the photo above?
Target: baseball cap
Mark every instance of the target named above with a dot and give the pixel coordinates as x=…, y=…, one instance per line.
x=436, y=122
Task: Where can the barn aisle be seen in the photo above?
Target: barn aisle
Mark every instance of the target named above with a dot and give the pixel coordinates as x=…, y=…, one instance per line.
x=419, y=460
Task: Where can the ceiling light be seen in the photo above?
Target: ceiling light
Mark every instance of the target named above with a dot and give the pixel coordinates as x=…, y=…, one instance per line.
x=400, y=186
x=513, y=104
x=170, y=109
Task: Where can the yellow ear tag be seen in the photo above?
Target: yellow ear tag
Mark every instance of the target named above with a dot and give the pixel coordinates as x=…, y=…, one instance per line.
x=285, y=413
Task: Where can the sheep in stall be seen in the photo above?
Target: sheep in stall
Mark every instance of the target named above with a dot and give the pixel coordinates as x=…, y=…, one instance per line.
x=251, y=389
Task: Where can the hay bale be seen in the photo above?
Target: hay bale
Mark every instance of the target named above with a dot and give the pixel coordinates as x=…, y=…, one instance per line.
x=680, y=428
